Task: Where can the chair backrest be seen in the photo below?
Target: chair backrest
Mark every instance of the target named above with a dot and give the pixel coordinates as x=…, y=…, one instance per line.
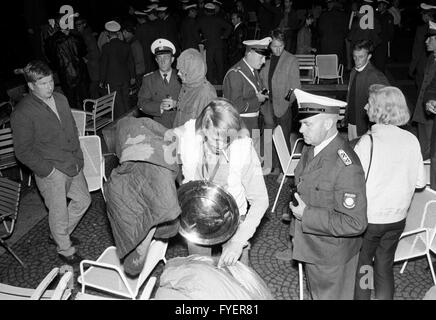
x=327, y=65
x=306, y=63
x=427, y=171
x=7, y=154
x=283, y=152
x=93, y=161
x=422, y=210
x=102, y=112
x=281, y=147
x=80, y=119
x=9, y=202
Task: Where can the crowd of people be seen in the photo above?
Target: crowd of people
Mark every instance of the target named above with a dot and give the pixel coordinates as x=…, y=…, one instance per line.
x=341, y=223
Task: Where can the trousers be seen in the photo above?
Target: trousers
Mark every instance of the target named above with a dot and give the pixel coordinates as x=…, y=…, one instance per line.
x=63, y=219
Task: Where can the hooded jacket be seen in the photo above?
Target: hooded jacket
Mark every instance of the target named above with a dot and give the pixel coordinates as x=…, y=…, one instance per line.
x=196, y=92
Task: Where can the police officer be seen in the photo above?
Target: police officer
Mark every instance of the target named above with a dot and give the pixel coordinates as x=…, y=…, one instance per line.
x=160, y=89
x=331, y=212
x=242, y=84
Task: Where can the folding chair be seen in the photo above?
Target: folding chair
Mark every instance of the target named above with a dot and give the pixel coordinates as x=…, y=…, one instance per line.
x=80, y=119
x=327, y=68
x=427, y=165
x=7, y=151
x=101, y=114
x=94, y=164
x=419, y=236
x=9, y=202
x=107, y=273
x=61, y=292
x=288, y=162
x=306, y=65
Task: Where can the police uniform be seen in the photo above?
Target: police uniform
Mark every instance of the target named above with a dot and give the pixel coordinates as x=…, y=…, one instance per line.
x=332, y=185
x=241, y=85
x=154, y=89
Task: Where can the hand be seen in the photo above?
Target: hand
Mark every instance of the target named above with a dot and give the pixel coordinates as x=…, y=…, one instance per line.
x=167, y=104
x=430, y=106
x=261, y=97
x=299, y=210
x=132, y=81
x=30, y=31
x=101, y=85
x=232, y=251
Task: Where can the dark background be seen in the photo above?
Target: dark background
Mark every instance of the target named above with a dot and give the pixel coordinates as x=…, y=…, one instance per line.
x=15, y=15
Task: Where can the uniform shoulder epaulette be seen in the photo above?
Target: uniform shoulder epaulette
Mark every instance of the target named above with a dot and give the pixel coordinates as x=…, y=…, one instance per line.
x=344, y=157
x=146, y=75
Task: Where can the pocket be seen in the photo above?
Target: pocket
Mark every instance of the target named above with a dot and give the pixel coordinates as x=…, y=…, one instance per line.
x=323, y=195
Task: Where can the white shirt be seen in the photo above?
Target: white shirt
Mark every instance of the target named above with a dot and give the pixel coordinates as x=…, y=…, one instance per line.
x=237, y=25
x=361, y=68
x=52, y=105
x=396, y=170
x=167, y=73
x=322, y=145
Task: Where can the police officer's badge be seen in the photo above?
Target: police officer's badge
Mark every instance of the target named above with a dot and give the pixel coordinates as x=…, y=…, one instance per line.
x=349, y=201
x=344, y=157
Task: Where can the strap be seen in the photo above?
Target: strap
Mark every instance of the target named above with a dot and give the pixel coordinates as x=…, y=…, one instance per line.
x=215, y=169
x=245, y=76
x=370, y=157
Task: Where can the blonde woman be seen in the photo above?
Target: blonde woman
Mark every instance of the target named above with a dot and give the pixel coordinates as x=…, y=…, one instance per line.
x=391, y=158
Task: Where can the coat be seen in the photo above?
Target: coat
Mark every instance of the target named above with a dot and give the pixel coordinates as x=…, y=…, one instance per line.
x=214, y=30
x=236, y=47
x=141, y=192
x=116, y=64
x=42, y=141
x=368, y=76
x=333, y=188
x=427, y=91
x=239, y=91
x=153, y=91
x=189, y=35
x=196, y=92
x=286, y=76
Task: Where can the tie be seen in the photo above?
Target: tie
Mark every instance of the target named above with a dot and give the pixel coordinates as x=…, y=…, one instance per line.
x=165, y=79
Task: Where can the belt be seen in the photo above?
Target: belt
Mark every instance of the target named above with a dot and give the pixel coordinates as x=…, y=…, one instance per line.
x=250, y=115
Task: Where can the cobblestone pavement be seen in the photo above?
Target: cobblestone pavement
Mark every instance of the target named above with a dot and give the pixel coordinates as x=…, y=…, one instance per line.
x=95, y=234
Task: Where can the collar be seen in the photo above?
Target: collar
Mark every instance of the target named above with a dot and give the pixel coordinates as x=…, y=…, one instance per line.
x=237, y=25
x=167, y=73
x=323, y=144
x=361, y=68
x=249, y=67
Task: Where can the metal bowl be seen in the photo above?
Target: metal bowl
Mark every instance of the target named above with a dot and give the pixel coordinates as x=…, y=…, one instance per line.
x=210, y=214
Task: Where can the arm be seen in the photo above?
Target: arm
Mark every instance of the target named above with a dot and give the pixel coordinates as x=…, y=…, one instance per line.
x=103, y=64
x=131, y=64
x=257, y=196
x=340, y=221
x=227, y=29
x=24, y=145
x=416, y=51
x=233, y=90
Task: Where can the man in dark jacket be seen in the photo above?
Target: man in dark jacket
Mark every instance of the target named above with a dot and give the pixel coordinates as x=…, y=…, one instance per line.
x=92, y=57
x=419, y=50
x=386, y=35
x=214, y=32
x=189, y=36
x=117, y=68
x=332, y=29
x=362, y=77
x=238, y=35
x=46, y=141
x=65, y=51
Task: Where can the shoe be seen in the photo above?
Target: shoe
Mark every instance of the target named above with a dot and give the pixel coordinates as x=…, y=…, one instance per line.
x=285, y=255
x=74, y=259
x=74, y=241
x=134, y=263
